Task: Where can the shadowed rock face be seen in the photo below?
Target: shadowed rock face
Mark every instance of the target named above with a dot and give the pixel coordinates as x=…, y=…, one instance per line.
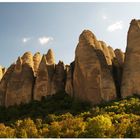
x=58, y=83
x=92, y=80
x=131, y=70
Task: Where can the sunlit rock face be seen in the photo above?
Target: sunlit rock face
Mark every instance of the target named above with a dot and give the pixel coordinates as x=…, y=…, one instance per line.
x=4, y=83
x=20, y=85
x=36, y=61
x=92, y=79
x=131, y=70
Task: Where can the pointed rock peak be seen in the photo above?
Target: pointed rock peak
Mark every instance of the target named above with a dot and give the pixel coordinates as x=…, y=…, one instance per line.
x=37, y=54
x=50, y=57
x=43, y=60
x=118, y=51
x=27, y=54
x=135, y=24
x=18, y=66
x=87, y=35
x=60, y=63
x=27, y=58
x=19, y=61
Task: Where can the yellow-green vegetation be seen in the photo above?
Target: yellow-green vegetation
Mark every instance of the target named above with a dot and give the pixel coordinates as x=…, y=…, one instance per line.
x=62, y=117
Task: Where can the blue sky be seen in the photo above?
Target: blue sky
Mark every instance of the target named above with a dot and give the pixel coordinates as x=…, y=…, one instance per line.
x=40, y=26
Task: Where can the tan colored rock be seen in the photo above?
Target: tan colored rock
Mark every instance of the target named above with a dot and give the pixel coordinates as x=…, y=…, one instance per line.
x=4, y=82
x=58, y=83
x=131, y=70
x=20, y=85
x=112, y=54
x=120, y=56
x=92, y=80
x=36, y=60
x=41, y=83
x=1, y=73
x=27, y=58
x=69, y=81
x=50, y=57
x=106, y=52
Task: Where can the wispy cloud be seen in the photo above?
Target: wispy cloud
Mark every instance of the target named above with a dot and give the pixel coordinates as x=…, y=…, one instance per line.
x=26, y=39
x=115, y=26
x=44, y=40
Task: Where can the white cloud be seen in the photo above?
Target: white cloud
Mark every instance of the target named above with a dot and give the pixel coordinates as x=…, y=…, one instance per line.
x=44, y=40
x=104, y=17
x=26, y=39
x=115, y=26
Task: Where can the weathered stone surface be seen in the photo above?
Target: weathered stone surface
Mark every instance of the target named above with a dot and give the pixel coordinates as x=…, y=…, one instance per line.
x=131, y=71
x=4, y=82
x=27, y=58
x=1, y=73
x=106, y=52
x=120, y=57
x=41, y=83
x=50, y=57
x=58, y=83
x=36, y=60
x=69, y=81
x=92, y=80
x=20, y=85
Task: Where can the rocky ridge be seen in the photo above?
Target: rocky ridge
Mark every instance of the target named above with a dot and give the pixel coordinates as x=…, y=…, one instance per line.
x=97, y=74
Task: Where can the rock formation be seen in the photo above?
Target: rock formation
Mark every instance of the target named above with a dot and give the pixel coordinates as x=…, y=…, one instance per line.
x=20, y=85
x=4, y=82
x=92, y=79
x=36, y=60
x=1, y=73
x=131, y=70
x=45, y=73
x=58, y=81
x=95, y=75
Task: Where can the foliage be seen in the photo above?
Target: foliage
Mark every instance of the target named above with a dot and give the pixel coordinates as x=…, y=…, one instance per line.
x=62, y=117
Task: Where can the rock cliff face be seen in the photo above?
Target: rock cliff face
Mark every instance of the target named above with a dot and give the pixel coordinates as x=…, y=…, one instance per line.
x=92, y=79
x=97, y=74
x=20, y=84
x=131, y=70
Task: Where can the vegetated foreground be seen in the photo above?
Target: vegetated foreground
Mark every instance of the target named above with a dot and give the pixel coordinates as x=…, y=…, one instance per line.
x=61, y=116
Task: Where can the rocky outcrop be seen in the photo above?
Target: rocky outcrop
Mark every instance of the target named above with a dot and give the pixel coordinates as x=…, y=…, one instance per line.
x=69, y=81
x=50, y=57
x=131, y=70
x=20, y=85
x=95, y=75
x=58, y=82
x=44, y=78
x=92, y=80
x=36, y=60
x=4, y=83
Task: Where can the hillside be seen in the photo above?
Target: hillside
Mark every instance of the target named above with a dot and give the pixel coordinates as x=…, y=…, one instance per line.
x=61, y=116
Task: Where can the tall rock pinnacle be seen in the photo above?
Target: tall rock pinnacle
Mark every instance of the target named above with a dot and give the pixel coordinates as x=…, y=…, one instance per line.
x=92, y=79
x=131, y=71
